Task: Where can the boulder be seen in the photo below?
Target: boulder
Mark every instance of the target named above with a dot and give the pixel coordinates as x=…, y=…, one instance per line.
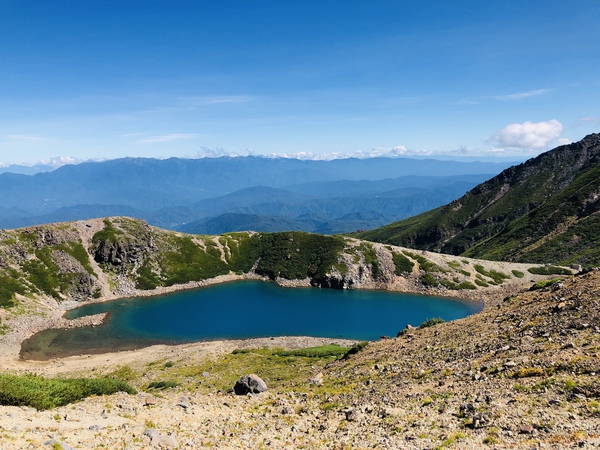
x=250, y=384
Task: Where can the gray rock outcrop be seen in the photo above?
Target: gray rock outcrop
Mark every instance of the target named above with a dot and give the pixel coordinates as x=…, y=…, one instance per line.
x=250, y=384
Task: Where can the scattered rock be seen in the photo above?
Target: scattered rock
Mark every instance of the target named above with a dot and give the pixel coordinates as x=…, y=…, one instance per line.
x=250, y=384
x=160, y=440
x=526, y=429
x=287, y=409
x=317, y=379
x=184, y=403
x=352, y=414
x=58, y=445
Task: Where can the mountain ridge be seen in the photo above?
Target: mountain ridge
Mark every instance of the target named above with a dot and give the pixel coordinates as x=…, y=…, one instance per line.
x=170, y=193
x=529, y=212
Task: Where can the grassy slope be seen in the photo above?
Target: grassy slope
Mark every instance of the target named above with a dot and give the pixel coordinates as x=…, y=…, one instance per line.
x=544, y=210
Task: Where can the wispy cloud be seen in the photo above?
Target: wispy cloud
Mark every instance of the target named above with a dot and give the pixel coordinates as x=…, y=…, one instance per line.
x=521, y=95
x=24, y=138
x=590, y=119
x=168, y=138
x=214, y=100
x=527, y=135
x=503, y=98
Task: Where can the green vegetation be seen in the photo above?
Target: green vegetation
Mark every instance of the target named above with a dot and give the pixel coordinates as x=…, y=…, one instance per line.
x=9, y=286
x=481, y=282
x=189, y=262
x=297, y=255
x=3, y=328
x=161, y=385
x=432, y=322
x=498, y=277
x=44, y=277
x=545, y=283
x=518, y=273
x=108, y=234
x=281, y=370
x=322, y=351
x=46, y=393
x=319, y=352
x=549, y=270
x=370, y=256
x=402, y=263
x=429, y=280
x=457, y=284
x=424, y=264
x=355, y=349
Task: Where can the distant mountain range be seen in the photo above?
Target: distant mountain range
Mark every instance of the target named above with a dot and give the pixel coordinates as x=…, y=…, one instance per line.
x=546, y=210
x=217, y=195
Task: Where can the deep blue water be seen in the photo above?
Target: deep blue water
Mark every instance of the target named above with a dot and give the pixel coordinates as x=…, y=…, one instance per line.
x=244, y=310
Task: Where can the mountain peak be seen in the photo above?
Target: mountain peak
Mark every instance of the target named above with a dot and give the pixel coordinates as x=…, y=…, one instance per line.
x=544, y=210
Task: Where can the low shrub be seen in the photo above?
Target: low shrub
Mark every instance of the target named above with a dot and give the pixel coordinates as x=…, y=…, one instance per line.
x=402, y=263
x=46, y=393
x=549, y=270
x=429, y=280
x=321, y=351
x=355, y=349
x=160, y=385
x=432, y=322
x=498, y=277
x=544, y=283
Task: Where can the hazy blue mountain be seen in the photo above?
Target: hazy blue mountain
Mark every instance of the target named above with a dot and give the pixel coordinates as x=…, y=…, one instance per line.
x=175, y=191
x=261, y=208
x=26, y=170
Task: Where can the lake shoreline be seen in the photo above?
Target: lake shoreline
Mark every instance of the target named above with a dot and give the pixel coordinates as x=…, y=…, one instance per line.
x=23, y=327
x=226, y=311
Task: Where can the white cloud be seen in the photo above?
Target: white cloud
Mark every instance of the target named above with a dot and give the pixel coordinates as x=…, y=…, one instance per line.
x=59, y=161
x=527, y=135
x=521, y=95
x=384, y=152
x=206, y=152
x=168, y=138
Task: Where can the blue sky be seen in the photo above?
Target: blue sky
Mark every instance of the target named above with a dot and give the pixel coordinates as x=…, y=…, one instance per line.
x=106, y=79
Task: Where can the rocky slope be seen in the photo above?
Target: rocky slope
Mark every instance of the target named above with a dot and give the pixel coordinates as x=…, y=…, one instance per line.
x=545, y=210
x=520, y=374
x=47, y=269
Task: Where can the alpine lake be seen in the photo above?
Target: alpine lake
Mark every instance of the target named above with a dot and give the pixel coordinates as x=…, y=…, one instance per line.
x=241, y=310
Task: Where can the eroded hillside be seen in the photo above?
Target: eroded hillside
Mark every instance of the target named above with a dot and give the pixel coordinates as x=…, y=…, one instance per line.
x=113, y=257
